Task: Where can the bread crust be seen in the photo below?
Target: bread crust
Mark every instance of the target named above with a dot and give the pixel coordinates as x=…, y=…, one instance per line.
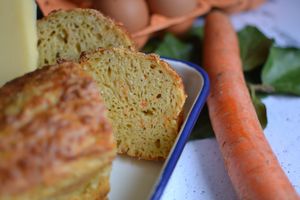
x=45, y=33
x=97, y=14
x=50, y=119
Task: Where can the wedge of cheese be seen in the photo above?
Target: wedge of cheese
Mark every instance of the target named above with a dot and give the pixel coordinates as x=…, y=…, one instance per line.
x=18, y=38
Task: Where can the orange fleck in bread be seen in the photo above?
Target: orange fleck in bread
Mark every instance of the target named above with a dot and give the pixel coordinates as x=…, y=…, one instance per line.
x=55, y=139
x=144, y=97
x=65, y=34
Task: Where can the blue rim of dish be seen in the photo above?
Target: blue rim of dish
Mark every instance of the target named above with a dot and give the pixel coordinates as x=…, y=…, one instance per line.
x=187, y=129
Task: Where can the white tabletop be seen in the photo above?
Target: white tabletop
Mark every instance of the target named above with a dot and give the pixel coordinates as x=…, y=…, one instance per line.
x=200, y=172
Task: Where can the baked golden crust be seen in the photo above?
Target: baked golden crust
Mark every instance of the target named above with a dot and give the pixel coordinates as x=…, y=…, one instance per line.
x=52, y=121
x=64, y=34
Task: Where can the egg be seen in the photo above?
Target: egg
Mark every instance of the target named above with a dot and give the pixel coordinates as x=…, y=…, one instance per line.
x=134, y=14
x=141, y=41
x=181, y=28
x=82, y=3
x=172, y=8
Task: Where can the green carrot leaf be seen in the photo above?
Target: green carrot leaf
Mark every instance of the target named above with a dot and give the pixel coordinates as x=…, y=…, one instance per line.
x=282, y=70
x=174, y=48
x=202, y=128
x=254, y=47
x=260, y=107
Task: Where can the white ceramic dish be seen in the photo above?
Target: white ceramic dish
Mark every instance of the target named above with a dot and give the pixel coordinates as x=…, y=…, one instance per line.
x=133, y=179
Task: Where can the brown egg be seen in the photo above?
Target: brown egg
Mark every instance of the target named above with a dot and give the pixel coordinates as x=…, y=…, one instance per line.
x=82, y=3
x=134, y=14
x=141, y=41
x=181, y=28
x=172, y=8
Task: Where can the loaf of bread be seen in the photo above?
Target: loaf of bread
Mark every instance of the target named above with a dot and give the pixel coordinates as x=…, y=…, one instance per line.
x=65, y=34
x=55, y=139
x=144, y=97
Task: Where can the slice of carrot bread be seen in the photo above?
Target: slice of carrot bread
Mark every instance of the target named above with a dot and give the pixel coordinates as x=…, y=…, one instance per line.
x=55, y=139
x=65, y=34
x=144, y=96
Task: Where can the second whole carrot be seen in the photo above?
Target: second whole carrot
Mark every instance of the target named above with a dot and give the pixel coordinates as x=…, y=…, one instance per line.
x=252, y=166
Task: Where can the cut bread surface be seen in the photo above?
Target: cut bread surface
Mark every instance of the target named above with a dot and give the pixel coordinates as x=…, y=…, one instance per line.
x=65, y=34
x=144, y=97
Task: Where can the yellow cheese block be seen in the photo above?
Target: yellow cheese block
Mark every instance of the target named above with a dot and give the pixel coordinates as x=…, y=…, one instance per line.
x=18, y=38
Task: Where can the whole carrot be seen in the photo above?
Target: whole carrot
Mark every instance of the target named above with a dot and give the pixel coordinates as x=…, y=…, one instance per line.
x=250, y=162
